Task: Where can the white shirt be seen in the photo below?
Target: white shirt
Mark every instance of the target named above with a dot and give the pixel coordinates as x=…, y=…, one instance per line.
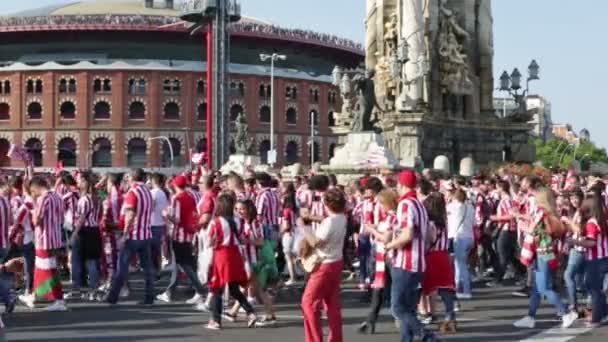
x=332, y=230
x=161, y=202
x=461, y=217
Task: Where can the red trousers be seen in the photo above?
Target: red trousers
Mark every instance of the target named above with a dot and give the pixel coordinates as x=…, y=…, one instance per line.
x=323, y=288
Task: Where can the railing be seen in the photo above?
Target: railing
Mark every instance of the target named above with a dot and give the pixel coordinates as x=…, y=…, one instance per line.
x=148, y=22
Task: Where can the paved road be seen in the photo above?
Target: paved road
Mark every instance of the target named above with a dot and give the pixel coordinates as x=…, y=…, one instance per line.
x=486, y=318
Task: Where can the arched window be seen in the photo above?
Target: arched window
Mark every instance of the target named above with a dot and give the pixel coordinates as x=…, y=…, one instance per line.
x=265, y=114
x=67, y=110
x=67, y=152
x=136, y=153
x=34, y=111
x=101, y=111
x=316, y=96
x=34, y=147
x=291, y=116
x=201, y=112
x=291, y=153
x=241, y=89
x=38, y=87
x=5, y=145
x=167, y=86
x=102, y=153
x=107, y=85
x=200, y=87
x=291, y=93
x=331, y=119
x=268, y=91
x=137, y=86
x=72, y=86
x=7, y=87
x=166, y=157
x=137, y=111
x=5, y=111
x=97, y=85
x=235, y=111
x=263, y=148
x=176, y=86
x=332, y=150
x=63, y=86
x=317, y=151
x=172, y=111
x=262, y=91
x=201, y=145
x=29, y=88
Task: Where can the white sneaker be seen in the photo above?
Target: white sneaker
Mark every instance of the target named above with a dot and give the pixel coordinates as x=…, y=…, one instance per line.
x=58, y=305
x=164, y=297
x=464, y=296
x=28, y=300
x=289, y=282
x=526, y=322
x=569, y=319
x=252, y=301
x=197, y=298
x=124, y=292
x=202, y=307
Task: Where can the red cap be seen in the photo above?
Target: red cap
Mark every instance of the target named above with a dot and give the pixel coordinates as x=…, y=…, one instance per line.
x=407, y=178
x=180, y=181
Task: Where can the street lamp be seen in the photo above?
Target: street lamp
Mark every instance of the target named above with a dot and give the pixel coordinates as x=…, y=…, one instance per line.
x=162, y=137
x=512, y=83
x=272, y=154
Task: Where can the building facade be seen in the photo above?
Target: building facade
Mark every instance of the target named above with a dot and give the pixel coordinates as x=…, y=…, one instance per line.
x=122, y=84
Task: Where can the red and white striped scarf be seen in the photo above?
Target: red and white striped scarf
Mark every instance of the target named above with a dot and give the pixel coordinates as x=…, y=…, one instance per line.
x=387, y=225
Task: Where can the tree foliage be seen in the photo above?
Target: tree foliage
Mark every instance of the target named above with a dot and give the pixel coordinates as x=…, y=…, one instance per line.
x=561, y=154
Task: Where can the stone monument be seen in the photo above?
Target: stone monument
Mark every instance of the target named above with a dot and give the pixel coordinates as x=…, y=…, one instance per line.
x=433, y=83
x=243, y=158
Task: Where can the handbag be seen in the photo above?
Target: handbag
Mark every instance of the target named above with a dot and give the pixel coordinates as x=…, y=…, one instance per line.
x=309, y=259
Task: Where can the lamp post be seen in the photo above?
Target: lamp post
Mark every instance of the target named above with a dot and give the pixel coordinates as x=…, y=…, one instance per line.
x=512, y=83
x=272, y=154
x=162, y=137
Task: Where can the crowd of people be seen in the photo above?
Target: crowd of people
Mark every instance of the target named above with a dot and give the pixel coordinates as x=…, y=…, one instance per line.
x=154, y=21
x=405, y=238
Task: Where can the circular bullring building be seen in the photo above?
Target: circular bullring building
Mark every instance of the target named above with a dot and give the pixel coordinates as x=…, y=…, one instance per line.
x=95, y=84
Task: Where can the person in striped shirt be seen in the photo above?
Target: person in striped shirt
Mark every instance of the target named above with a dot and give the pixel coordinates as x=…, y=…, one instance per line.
x=184, y=218
x=409, y=244
x=137, y=237
x=48, y=222
x=371, y=215
x=22, y=233
x=110, y=222
x=268, y=205
x=575, y=269
x=86, y=238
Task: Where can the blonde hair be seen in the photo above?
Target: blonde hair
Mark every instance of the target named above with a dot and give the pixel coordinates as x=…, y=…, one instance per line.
x=388, y=199
x=546, y=199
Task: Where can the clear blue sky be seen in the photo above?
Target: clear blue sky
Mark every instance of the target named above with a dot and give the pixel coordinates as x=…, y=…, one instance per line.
x=565, y=37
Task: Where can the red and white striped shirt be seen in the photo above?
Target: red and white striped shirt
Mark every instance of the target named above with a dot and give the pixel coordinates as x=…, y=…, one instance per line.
x=206, y=205
x=388, y=224
x=220, y=232
x=268, y=206
x=317, y=208
x=182, y=206
x=441, y=243
x=251, y=232
x=61, y=189
x=289, y=219
x=411, y=214
x=89, y=210
x=70, y=202
x=304, y=197
x=594, y=232
x=505, y=206
x=49, y=215
x=6, y=220
x=139, y=199
x=112, y=206
x=23, y=219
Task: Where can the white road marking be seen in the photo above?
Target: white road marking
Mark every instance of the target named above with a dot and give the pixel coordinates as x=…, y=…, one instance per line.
x=557, y=334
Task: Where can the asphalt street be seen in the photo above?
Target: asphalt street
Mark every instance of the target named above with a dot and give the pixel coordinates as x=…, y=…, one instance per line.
x=488, y=317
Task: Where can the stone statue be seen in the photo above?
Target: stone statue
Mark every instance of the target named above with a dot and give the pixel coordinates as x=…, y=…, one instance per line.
x=366, y=100
x=454, y=66
x=242, y=140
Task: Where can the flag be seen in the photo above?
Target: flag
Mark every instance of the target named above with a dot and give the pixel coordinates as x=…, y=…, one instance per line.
x=47, y=284
x=374, y=159
x=17, y=152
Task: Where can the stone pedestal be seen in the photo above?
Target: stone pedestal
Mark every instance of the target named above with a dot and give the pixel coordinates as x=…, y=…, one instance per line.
x=239, y=162
x=362, y=153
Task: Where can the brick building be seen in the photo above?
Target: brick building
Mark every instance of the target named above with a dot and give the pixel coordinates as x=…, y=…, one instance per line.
x=90, y=84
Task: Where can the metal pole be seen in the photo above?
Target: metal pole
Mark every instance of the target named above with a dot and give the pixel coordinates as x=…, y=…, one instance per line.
x=162, y=137
x=209, y=95
x=312, y=138
x=272, y=104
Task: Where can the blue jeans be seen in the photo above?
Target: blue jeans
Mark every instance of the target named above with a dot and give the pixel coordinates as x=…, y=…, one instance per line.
x=595, y=271
x=77, y=266
x=573, y=275
x=405, y=294
x=6, y=280
x=462, y=247
x=158, y=233
x=543, y=287
x=364, y=253
x=143, y=249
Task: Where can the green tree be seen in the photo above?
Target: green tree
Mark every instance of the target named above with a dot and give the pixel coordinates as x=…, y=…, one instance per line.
x=559, y=153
